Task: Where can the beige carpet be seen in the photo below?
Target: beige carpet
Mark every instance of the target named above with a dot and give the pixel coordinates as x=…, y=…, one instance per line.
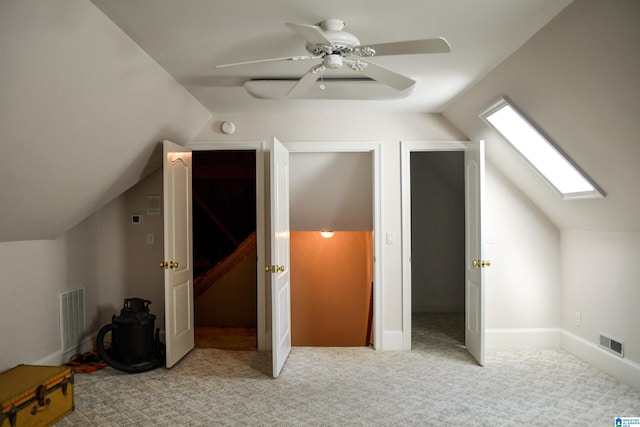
x=436, y=384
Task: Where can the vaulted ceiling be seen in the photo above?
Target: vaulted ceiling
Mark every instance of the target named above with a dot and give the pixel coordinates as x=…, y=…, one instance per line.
x=189, y=38
x=87, y=89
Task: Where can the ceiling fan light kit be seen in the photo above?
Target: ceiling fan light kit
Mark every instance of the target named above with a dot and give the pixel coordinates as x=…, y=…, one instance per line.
x=327, y=41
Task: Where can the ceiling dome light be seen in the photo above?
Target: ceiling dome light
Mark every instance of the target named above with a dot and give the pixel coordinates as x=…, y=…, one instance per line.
x=327, y=234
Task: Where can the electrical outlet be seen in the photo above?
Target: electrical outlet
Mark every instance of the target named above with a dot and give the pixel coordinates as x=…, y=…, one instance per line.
x=578, y=318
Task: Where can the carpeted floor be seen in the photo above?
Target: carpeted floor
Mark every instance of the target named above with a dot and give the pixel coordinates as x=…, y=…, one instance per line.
x=437, y=384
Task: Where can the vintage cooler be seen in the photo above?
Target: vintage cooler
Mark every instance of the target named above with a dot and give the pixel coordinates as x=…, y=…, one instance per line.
x=33, y=395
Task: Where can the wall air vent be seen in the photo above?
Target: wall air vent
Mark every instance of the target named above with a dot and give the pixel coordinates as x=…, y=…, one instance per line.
x=72, y=318
x=613, y=345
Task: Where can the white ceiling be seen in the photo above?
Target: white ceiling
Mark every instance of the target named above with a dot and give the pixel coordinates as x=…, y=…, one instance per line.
x=83, y=105
x=188, y=38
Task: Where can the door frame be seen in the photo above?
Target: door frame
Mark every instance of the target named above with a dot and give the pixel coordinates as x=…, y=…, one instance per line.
x=263, y=336
x=375, y=148
x=406, y=148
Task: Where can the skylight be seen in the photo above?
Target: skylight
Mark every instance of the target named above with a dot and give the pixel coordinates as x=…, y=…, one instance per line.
x=541, y=154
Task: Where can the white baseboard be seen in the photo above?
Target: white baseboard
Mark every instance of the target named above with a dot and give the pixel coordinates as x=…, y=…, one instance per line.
x=623, y=369
x=522, y=338
x=53, y=359
x=392, y=341
x=59, y=357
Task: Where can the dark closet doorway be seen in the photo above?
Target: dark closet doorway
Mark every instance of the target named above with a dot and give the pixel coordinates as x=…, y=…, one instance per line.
x=437, y=247
x=224, y=247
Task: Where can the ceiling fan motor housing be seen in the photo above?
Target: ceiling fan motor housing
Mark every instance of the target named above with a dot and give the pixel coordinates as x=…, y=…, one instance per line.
x=343, y=43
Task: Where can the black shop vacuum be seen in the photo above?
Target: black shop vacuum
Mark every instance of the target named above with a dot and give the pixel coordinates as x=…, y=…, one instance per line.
x=135, y=347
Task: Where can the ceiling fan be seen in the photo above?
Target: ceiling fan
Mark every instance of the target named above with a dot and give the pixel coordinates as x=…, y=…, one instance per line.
x=335, y=48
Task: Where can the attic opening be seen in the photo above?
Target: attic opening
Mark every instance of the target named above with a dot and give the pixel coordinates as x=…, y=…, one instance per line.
x=225, y=251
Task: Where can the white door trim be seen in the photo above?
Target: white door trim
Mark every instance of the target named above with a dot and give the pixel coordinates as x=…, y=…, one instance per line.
x=259, y=147
x=406, y=148
x=375, y=148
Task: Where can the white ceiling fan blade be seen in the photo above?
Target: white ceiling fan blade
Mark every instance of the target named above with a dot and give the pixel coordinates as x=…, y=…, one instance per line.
x=306, y=82
x=412, y=47
x=286, y=58
x=386, y=76
x=310, y=33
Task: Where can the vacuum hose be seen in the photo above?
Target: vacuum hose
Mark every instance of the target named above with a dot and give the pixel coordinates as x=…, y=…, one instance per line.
x=134, y=368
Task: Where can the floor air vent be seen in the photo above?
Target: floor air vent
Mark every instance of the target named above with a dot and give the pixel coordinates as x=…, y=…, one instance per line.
x=72, y=328
x=613, y=345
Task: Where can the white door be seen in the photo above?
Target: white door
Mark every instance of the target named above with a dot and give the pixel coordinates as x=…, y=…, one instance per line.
x=178, y=255
x=279, y=267
x=474, y=257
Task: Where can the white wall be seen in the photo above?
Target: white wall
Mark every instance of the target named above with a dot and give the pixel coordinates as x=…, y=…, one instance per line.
x=573, y=80
x=33, y=274
x=105, y=254
x=523, y=284
x=600, y=272
x=523, y=287
x=129, y=267
x=390, y=129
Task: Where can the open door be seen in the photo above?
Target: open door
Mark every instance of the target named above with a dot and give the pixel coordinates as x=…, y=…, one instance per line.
x=178, y=255
x=474, y=257
x=279, y=267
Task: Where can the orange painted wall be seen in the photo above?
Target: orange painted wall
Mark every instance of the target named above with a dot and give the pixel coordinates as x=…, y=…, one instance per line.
x=330, y=288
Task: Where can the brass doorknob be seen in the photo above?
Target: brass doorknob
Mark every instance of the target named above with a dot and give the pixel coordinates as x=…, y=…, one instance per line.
x=173, y=264
x=164, y=264
x=274, y=268
x=481, y=263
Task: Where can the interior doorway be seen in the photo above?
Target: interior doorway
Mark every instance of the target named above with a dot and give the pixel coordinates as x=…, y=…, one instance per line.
x=437, y=211
x=225, y=249
x=369, y=154
x=331, y=211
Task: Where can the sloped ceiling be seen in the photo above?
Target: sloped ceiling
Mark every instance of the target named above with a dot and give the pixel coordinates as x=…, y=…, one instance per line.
x=331, y=191
x=188, y=38
x=577, y=80
x=83, y=106
x=82, y=109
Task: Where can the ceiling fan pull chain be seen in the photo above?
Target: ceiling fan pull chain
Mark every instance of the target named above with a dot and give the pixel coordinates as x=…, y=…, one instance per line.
x=322, y=86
